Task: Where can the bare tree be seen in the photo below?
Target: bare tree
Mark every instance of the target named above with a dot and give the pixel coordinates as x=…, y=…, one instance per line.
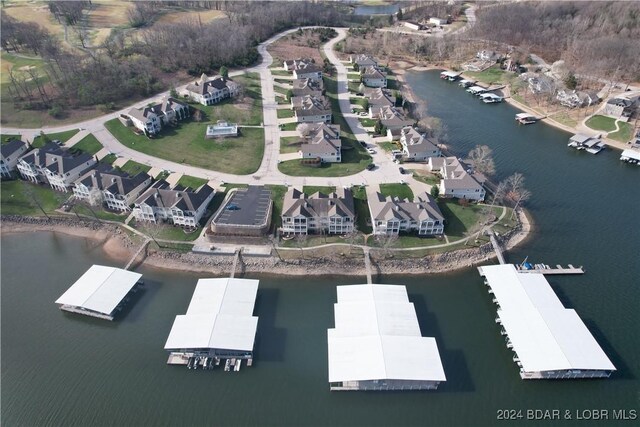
x=482, y=160
x=28, y=190
x=386, y=242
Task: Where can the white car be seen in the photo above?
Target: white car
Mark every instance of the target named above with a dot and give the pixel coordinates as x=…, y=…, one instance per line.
x=371, y=151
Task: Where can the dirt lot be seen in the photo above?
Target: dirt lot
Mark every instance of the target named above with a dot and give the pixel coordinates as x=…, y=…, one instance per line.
x=296, y=46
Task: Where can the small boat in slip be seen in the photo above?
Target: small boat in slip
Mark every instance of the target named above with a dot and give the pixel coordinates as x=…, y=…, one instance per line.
x=525, y=118
x=490, y=98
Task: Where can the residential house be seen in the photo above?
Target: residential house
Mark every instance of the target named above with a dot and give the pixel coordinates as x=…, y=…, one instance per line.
x=318, y=213
x=438, y=21
x=323, y=143
x=391, y=215
x=363, y=61
x=311, y=108
x=393, y=120
x=577, y=99
x=413, y=25
x=294, y=64
x=457, y=179
x=178, y=205
x=107, y=186
x=541, y=84
x=54, y=165
x=170, y=110
x=10, y=153
x=211, y=90
x=373, y=77
x=488, y=55
x=302, y=87
x=620, y=108
x=146, y=120
x=309, y=71
x=416, y=146
x=378, y=98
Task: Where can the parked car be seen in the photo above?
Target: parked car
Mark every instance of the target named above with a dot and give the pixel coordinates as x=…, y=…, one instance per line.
x=401, y=169
x=364, y=144
x=371, y=151
x=371, y=166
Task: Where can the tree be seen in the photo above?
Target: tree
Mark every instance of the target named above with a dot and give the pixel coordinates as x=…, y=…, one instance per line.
x=224, y=72
x=435, y=191
x=482, y=160
x=399, y=14
x=289, y=95
x=515, y=191
x=173, y=92
x=571, y=81
x=304, y=129
x=198, y=116
x=365, y=104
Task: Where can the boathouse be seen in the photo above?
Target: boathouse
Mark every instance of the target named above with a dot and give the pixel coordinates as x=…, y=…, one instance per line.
x=100, y=292
x=219, y=322
x=376, y=343
x=548, y=340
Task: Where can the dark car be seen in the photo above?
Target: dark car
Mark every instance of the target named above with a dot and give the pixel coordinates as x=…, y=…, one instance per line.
x=363, y=143
x=371, y=166
x=401, y=169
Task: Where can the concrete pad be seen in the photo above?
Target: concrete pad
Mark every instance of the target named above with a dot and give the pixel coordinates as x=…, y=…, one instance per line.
x=174, y=178
x=288, y=133
x=289, y=156
x=102, y=154
x=120, y=161
x=287, y=120
x=154, y=171
x=76, y=138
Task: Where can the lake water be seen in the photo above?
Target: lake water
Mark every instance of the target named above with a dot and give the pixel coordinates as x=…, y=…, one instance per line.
x=382, y=9
x=64, y=369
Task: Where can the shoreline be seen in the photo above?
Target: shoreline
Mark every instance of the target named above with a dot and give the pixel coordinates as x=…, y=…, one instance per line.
x=117, y=246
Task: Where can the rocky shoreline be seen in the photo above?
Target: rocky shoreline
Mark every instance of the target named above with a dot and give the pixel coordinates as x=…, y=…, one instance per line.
x=118, y=245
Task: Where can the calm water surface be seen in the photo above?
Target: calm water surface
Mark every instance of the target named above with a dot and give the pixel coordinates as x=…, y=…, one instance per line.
x=64, y=369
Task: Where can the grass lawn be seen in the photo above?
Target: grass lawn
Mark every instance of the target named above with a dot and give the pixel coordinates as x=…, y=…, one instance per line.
x=289, y=126
x=358, y=101
x=406, y=241
x=354, y=157
x=427, y=178
x=362, y=209
x=402, y=191
x=368, y=123
x=280, y=72
x=134, y=168
x=5, y=137
x=191, y=181
x=603, y=123
x=109, y=158
x=311, y=189
x=277, y=195
x=318, y=239
x=89, y=144
x=624, y=134
x=565, y=119
x=166, y=232
x=15, y=200
x=39, y=141
x=280, y=89
x=97, y=211
x=290, y=144
x=460, y=220
x=284, y=113
x=186, y=144
x=392, y=83
x=353, y=76
x=388, y=146
x=489, y=76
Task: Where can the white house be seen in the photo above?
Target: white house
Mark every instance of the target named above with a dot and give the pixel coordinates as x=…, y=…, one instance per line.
x=416, y=146
x=211, y=90
x=302, y=87
x=620, y=108
x=145, y=119
x=378, y=98
x=373, y=77
x=488, y=55
x=457, y=181
x=323, y=143
x=392, y=119
x=107, y=186
x=170, y=109
x=413, y=25
x=391, y=216
x=363, y=61
x=318, y=213
x=438, y=21
x=308, y=71
x=311, y=108
x=10, y=153
x=575, y=99
x=179, y=205
x=55, y=166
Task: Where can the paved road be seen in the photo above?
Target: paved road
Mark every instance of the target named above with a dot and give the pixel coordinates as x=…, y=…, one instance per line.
x=268, y=172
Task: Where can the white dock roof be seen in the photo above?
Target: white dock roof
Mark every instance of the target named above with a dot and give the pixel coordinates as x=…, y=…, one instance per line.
x=377, y=336
x=100, y=289
x=449, y=74
x=631, y=154
x=220, y=316
x=545, y=335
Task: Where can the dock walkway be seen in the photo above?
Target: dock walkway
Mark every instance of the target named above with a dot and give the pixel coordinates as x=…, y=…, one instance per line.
x=236, y=257
x=138, y=252
x=496, y=247
x=545, y=269
x=367, y=265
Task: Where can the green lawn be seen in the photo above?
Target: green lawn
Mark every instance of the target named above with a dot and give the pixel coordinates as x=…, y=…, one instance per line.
x=5, y=137
x=16, y=200
x=402, y=191
x=489, y=76
x=358, y=101
x=166, y=232
x=284, y=113
x=89, y=144
x=39, y=141
x=407, y=241
x=427, y=178
x=354, y=157
x=624, y=134
x=310, y=189
x=191, y=181
x=459, y=220
x=96, y=211
x=565, y=119
x=362, y=209
x=290, y=144
x=603, y=123
x=280, y=89
x=353, y=76
x=289, y=126
x=134, y=168
x=277, y=195
x=279, y=72
x=109, y=158
x=389, y=146
x=368, y=123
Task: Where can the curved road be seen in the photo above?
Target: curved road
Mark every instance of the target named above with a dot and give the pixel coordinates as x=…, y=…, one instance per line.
x=267, y=173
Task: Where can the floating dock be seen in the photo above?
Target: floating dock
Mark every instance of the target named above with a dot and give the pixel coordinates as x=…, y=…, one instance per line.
x=548, y=340
x=100, y=292
x=545, y=269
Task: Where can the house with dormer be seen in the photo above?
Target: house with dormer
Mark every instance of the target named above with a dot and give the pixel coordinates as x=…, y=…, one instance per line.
x=318, y=213
x=54, y=165
x=323, y=143
x=303, y=87
x=378, y=98
x=392, y=215
x=109, y=187
x=10, y=154
x=362, y=61
x=211, y=90
x=373, y=76
x=310, y=108
x=457, y=179
x=416, y=146
x=179, y=205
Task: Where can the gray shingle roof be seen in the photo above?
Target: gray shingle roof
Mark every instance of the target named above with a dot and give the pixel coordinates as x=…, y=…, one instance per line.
x=310, y=105
x=160, y=195
x=105, y=177
x=422, y=208
x=11, y=147
x=339, y=203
